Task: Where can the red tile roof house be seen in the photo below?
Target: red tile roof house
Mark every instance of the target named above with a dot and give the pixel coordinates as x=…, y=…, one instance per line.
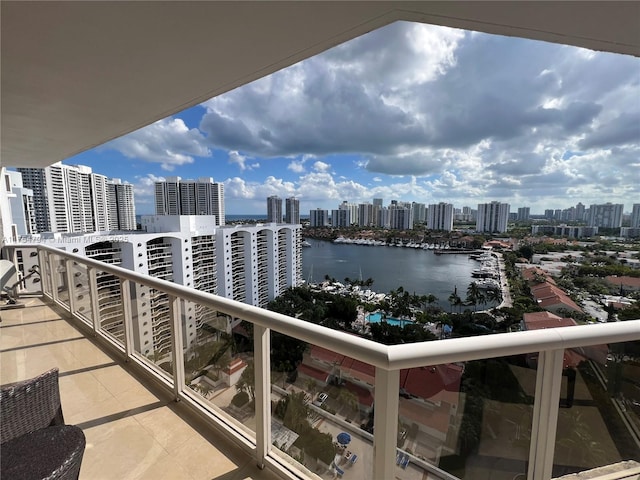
x=546, y=293
x=630, y=284
x=572, y=357
x=430, y=395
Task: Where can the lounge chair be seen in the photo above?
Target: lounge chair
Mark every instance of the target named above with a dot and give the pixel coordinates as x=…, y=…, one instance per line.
x=31, y=422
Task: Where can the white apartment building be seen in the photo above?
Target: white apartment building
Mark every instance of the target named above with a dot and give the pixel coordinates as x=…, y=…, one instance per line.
x=401, y=216
x=440, y=216
x=365, y=215
x=523, y=214
x=353, y=209
x=492, y=217
x=292, y=211
x=319, y=218
x=341, y=217
x=635, y=216
x=419, y=212
x=607, y=215
x=121, y=205
x=203, y=196
x=274, y=209
x=68, y=198
x=252, y=264
x=16, y=206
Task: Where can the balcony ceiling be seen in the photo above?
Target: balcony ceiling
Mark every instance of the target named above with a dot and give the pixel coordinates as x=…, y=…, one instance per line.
x=77, y=74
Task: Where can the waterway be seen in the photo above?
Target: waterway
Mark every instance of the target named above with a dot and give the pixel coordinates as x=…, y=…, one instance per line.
x=417, y=271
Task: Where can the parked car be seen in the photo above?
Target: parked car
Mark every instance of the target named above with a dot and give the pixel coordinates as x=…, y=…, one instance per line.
x=322, y=397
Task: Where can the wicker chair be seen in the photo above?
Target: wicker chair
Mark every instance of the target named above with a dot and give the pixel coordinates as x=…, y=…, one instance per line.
x=34, y=441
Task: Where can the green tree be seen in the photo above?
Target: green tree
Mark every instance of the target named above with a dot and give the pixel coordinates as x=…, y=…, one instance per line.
x=247, y=380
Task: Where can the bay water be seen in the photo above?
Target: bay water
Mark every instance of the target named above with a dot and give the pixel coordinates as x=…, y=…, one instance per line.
x=418, y=271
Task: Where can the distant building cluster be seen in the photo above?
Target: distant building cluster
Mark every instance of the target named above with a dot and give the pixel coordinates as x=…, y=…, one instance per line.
x=491, y=217
x=66, y=199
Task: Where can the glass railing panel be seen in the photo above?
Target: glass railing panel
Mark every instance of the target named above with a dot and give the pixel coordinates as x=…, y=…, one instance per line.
x=60, y=272
x=81, y=292
x=151, y=327
x=472, y=420
x=322, y=403
x=109, y=299
x=599, y=416
x=219, y=363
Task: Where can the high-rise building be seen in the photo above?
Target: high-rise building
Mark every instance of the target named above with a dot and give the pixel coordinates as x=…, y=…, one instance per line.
x=492, y=217
x=401, y=216
x=203, y=196
x=419, y=212
x=607, y=215
x=319, y=218
x=635, y=216
x=121, y=205
x=580, y=212
x=292, y=211
x=274, y=209
x=16, y=206
x=341, y=217
x=440, y=216
x=365, y=215
x=67, y=198
x=523, y=214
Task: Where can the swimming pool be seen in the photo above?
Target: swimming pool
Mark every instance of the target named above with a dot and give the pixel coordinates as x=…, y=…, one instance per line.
x=377, y=318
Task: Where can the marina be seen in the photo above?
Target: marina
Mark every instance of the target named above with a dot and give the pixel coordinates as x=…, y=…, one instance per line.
x=417, y=270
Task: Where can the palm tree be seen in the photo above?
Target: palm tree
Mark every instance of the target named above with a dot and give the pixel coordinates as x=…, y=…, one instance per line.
x=454, y=299
x=348, y=398
x=494, y=295
x=473, y=293
x=311, y=385
x=246, y=382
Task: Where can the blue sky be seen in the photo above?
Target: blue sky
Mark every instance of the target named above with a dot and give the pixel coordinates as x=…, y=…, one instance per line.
x=409, y=112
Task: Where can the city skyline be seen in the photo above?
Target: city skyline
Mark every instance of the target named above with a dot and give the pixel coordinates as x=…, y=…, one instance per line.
x=394, y=114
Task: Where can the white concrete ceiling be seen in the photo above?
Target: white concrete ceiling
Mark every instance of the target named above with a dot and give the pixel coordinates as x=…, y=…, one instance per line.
x=77, y=74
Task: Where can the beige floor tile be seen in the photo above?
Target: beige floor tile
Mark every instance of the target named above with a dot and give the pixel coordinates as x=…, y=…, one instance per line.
x=203, y=461
x=171, y=431
x=120, y=449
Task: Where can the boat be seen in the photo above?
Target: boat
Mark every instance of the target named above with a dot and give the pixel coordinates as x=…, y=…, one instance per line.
x=305, y=243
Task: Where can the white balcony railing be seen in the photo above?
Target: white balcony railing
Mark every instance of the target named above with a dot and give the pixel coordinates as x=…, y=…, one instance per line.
x=548, y=345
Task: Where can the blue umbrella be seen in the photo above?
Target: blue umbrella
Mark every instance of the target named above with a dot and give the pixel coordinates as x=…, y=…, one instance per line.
x=343, y=438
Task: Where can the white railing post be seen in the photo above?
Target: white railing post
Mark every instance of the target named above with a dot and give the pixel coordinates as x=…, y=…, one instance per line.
x=385, y=421
x=54, y=280
x=176, y=346
x=70, y=286
x=262, y=367
x=127, y=320
x=43, y=266
x=92, y=278
x=545, y=414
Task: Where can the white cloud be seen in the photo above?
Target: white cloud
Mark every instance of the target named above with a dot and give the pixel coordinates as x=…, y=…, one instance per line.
x=168, y=142
x=235, y=158
x=144, y=191
x=320, y=166
x=296, y=166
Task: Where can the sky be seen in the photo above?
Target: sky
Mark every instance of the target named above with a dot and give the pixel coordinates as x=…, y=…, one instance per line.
x=409, y=112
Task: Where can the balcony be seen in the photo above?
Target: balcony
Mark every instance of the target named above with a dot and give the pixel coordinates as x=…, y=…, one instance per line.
x=123, y=415
x=123, y=398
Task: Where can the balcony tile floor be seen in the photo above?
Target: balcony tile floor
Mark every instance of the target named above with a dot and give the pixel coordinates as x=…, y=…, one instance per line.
x=132, y=431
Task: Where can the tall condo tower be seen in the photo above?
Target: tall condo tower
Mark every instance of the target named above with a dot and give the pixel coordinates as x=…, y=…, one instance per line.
x=492, y=217
x=203, y=196
x=274, y=209
x=292, y=211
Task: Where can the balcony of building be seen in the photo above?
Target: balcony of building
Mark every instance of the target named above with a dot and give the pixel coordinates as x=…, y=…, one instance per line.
x=533, y=405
